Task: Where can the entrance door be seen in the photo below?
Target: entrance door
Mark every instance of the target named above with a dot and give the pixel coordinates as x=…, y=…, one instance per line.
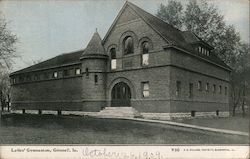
x=121, y=95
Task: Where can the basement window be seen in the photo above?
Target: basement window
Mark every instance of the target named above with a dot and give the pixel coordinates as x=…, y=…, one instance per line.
x=193, y=113
x=217, y=112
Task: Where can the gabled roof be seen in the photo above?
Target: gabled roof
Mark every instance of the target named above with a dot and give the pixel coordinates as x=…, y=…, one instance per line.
x=95, y=46
x=173, y=36
x=60, y=60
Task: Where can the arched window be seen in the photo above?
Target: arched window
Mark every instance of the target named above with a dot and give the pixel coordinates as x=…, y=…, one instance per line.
x=113, y=58
x=145, y=55
x=145, y=47
x=128, y=45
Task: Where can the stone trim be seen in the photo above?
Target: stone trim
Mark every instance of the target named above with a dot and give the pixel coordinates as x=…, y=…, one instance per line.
x=49, y=112
x=55, y=101
x=80, y=113
x=31, y=111
x=199, y=115
x=16, y=111
x=156, y=116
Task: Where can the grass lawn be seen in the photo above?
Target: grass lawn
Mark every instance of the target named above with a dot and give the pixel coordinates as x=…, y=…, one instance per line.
x=237, y=123
x=49, y=129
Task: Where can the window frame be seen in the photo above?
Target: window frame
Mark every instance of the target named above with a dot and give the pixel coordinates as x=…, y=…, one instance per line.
x=113, y=59
x=178, y=88
x=145, y=90
x=96, y=79
x=144, y=55
x=220, y=89
x=214, y=88
x=207, y=87
x=125, y=52
x=55, y=74
x=191, y=90
x=199, y=85
x=77, y=71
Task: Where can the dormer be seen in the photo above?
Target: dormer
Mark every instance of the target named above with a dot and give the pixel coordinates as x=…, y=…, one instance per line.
x=198, y=44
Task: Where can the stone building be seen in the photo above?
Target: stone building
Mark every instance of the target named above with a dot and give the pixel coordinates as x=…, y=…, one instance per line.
x=143, y=66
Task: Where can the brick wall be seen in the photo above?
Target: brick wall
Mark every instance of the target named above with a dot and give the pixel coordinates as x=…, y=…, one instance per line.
x=158, y=79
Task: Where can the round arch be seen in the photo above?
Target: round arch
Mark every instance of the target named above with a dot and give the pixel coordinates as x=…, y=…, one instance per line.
x=116, y=81
x=127, y=34
x=145, y=39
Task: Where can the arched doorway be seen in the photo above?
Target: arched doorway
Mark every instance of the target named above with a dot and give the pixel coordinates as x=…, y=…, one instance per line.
x=121, y=95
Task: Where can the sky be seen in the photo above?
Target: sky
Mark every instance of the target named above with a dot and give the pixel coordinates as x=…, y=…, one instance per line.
x=47, y=28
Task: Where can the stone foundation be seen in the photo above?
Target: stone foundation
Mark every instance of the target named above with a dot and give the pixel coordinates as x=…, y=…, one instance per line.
x=156, y=116
x=31, y=111
x=80, y=113
x=199, y=115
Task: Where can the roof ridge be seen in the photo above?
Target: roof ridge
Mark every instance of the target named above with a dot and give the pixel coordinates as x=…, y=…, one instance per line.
x=155, y=17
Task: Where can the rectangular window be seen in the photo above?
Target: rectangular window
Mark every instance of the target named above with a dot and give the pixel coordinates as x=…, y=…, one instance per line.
x=96, y=78
x=87, y=71
x=178, y=88
x=145, y=89
x=14, y=80
x=225, y=90
x=113, y=64
x=145, y=58
x=207, y=87
x=214, y=88
x=190, y=90
x=55, y=75
x=199, y=85
x=78, y=71
x=220, y=89
x=199, y=49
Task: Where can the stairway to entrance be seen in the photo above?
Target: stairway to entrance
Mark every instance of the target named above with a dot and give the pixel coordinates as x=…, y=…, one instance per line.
x=116, y=112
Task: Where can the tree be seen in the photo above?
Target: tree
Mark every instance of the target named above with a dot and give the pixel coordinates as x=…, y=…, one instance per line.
x=240, y=79
x=4, y=88
x=204, y=19
x=7, y=44
x=7, y=52
x=172, y=13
